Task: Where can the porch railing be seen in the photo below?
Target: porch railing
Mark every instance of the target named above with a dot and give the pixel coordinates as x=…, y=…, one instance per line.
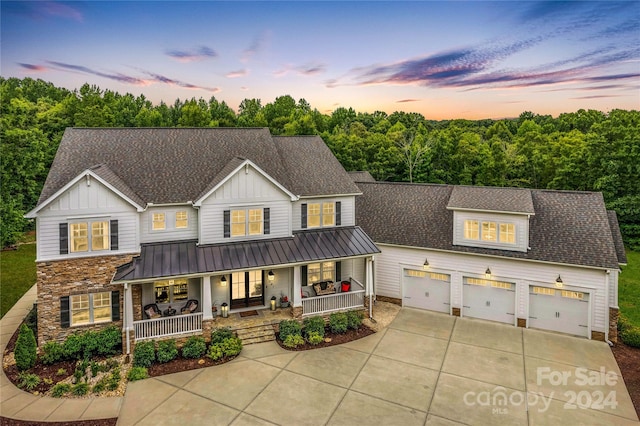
x=334, y=302
x=167, y=326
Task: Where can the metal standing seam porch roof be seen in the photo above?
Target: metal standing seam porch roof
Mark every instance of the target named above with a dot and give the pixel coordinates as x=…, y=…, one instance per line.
x=177, y=258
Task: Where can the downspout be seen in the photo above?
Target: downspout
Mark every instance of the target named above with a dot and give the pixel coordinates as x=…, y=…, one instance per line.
x=607, y=283
x=126, y=325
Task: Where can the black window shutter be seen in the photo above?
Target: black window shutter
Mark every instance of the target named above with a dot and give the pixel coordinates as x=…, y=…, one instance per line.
x=338, y=213
x=338, y=271
x=65, y=317
x=115, y=305
x=266, y=217
x=114, y=234
x=303, y=273
x=64, y=238
x=303, y=207
x=227, y=223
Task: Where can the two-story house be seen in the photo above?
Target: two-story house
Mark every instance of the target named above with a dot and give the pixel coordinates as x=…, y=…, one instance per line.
x=135, y=224
x=151, y=228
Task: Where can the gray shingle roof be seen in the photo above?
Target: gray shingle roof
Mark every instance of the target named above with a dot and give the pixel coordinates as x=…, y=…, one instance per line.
x=361, y=176
x=617, y=236
x=486, y=198
x=568, y=227
x=312, y=167
x=176, y=165
x=108, y=175
x=186, y=257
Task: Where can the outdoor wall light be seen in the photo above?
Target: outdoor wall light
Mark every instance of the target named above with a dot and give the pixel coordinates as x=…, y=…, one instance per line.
x=559, y=282
x=225, y=310
x=271, y=276
x=425, y=266
x=273, y=303
x=487, y=273
x=223, y=281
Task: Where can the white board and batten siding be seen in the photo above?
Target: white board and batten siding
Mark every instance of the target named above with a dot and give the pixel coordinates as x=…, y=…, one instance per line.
x=347, y=210
x=171, y=232
x=86, y=202
x=393, y=260
x=246, y=189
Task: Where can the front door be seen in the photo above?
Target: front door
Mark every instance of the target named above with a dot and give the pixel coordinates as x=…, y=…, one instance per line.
x=247, y=289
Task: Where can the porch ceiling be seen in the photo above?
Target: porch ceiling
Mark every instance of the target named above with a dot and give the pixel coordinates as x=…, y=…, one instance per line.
x=177, y=258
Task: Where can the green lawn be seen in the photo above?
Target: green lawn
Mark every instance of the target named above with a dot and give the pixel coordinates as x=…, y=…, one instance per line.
x=17, y=275
x=629, y=288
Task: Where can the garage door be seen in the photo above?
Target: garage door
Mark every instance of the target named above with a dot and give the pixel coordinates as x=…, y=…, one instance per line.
x=490, y=300
x=559, y=310
x=426, y=290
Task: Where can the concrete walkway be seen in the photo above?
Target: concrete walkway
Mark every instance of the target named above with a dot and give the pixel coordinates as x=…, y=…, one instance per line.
x=17, y=404
x=425, y=368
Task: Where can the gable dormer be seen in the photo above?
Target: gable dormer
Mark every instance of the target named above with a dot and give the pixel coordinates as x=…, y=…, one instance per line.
x=244, y=203
x=495, y=218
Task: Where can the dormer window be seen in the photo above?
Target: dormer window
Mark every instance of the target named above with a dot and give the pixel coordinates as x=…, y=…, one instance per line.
x=325, y=214
x=182, y=219
x=487, y=231
x=507, y=233
x=471, y=230
x=159, y=222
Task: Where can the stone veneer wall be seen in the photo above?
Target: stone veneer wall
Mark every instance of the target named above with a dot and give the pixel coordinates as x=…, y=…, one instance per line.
x=68, y=277
x=614, y=315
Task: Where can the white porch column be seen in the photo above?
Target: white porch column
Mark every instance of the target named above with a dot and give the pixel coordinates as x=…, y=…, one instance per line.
x=369, y=284
x=206, y=298
x=296, y=297
x=127, y=318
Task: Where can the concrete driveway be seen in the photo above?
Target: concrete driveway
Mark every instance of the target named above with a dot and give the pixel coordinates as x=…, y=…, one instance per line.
x=425, y=368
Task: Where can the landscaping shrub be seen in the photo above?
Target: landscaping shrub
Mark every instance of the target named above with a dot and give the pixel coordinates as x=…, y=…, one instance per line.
x=52, y=352
x=631, y=336
x=289, y=327
x=293, y=341
x=354, y=319
x=338, y=322
x=31, y=320
x=95, y=368
x=89, y=343
x=59, y=390
x=72, y=346
x=61, y=372
x=26, y=349
x=195, y=347
x=219, y=335
x=314, y=338
x=114, y=379
x=80, y=389
x=101, y=385
x=313, y=325
x=28, y=381
x=231, y=346
x=109, y=340
x=167, y=350
x=215, y=351
x=137, y=373
x=144, y=354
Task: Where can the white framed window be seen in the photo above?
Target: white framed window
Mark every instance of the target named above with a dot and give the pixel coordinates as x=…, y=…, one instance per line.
x=544, y=290
x=415, y=273
x=182, y=219
x=90, y=308
x=159, y=222
x=507, y=233
x=81, y=240
x=313, y=215
x=255, y=221
x=324, y=271
x=328, y=214
x=238, y=223
x=489, y=231
x=171, y=291
x=471, y=230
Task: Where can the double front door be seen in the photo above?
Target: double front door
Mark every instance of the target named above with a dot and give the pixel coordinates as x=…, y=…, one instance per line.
x=247, y=289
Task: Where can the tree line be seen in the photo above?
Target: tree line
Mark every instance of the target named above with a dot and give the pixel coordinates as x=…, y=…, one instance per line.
x=584, y=150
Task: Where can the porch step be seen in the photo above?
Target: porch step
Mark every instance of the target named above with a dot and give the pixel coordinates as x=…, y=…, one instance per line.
x=256, y=334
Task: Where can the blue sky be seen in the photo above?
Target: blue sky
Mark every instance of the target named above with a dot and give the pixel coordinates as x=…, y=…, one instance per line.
x=442, y=59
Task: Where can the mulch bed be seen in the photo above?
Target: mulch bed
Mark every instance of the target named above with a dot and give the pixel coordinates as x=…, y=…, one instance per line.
x=183, y=364
x=628, y=360
x=332, y=339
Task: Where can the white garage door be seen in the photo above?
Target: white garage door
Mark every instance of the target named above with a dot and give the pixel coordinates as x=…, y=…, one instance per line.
x=490, y=300
x=426, y=290
x=559, y=310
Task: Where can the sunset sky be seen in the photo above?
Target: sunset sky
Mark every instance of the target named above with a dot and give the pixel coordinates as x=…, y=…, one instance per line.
x=444, y=60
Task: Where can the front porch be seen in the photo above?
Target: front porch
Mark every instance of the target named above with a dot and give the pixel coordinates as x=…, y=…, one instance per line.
x=192, y=324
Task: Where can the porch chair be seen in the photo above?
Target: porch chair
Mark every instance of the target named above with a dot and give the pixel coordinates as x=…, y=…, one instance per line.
x=152, y=311
x=190, y=307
